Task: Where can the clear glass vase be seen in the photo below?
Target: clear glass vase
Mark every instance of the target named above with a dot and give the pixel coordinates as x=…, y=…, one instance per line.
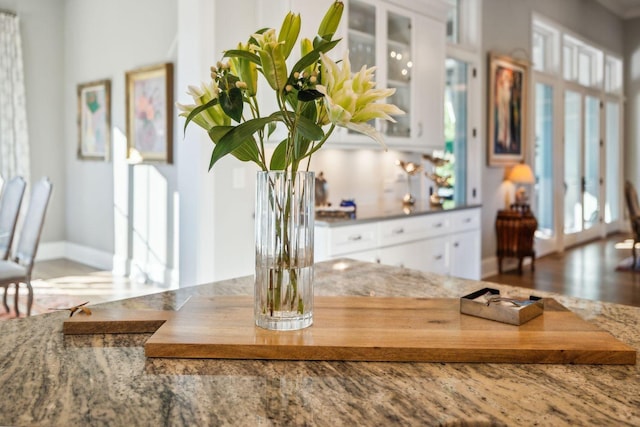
x=284, y=250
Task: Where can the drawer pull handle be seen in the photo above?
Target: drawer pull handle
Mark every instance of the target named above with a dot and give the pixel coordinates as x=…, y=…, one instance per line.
x=398, y=231
x=467, y=220
x=355, y=237
x=456, y=244
x=437, y=225
x=438, y=257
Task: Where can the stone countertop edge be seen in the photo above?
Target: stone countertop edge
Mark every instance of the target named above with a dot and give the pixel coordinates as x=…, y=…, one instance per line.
x=388, y=212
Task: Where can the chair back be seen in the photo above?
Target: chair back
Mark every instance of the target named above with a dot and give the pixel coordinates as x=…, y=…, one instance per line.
x=631, y=197
x=33, y=222
x=9, y=212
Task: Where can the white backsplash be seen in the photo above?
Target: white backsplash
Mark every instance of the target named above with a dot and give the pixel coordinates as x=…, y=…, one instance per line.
x=369, y=176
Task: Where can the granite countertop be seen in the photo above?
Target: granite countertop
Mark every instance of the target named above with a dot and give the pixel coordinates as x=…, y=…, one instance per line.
x=377, y=212
x=51, y=379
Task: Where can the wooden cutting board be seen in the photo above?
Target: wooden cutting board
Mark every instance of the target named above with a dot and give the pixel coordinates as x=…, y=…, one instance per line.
x=363, y=329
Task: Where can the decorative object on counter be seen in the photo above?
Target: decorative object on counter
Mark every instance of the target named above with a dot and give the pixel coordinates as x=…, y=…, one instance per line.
x=321, y=190
x=440, y=179
x=315, y=92
x=76, y=308
x=284, y=250
x=410, y=169
x=521, y=174
x=489, y=304
x=398, y=329
x=515, y=231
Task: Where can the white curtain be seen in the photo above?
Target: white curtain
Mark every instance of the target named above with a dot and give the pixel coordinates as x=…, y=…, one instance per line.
x=14, y=139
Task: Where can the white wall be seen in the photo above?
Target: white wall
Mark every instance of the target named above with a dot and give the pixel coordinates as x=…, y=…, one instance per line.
x=42, y=39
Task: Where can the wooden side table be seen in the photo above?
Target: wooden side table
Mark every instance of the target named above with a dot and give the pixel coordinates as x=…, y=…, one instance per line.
x=515, y=229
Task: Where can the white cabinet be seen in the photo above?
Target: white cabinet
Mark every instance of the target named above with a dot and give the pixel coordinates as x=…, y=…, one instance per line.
x=465, y=255
x=406, y=41
x=446, y=243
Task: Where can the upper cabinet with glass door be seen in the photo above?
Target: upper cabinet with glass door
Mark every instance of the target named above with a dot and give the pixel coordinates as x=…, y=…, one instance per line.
x=405, y=40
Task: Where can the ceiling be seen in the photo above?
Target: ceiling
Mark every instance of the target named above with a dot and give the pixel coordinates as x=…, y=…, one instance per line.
x=625, y=9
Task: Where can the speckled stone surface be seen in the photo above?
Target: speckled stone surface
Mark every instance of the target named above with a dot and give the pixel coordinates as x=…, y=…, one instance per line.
x=48, y=379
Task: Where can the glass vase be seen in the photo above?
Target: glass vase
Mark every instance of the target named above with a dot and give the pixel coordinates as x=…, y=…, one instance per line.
x=284, y=250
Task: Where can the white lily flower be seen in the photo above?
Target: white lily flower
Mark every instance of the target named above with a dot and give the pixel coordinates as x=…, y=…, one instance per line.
x=352, y=101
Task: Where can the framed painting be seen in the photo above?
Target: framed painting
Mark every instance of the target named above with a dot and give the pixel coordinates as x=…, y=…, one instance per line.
x=508, y=101
x=149, y=114
x=94, y=120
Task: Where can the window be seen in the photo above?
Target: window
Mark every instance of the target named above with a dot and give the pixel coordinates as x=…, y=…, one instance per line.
x=455, y=126
x=582, y=63
x=544, y=159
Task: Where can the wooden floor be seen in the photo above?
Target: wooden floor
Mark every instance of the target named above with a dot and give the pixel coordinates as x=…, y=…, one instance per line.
x=585, y=271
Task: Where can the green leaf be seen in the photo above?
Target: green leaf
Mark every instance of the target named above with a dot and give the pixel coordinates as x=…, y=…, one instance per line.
x=311, y=57
x=238, y=136
x=309, y=129
x=278, y=158
x=198, y=110
x=237, y=53
x=231, y=103
x=245, y=153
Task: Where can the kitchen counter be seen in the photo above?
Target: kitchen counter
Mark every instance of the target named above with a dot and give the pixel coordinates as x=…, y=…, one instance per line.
x=378, y=212
x=51, y=379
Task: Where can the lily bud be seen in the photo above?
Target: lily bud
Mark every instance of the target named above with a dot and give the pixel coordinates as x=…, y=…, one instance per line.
x=331, y=20
x=246, y=70
x=289, y=32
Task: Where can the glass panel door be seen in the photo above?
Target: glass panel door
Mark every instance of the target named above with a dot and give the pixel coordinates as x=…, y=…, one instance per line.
x=613, y=184
x=455, y=130
x=572, y=162
x=591, y=189
x=544, y=160
x=581, y=167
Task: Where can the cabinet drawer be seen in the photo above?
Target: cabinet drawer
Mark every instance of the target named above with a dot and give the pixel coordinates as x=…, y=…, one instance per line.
x=353, y=238
x=437, y=225
x=465, y=220
x=396, y=231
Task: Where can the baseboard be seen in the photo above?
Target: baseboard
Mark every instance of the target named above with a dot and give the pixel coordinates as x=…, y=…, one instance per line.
x=119, y=266
x=78, y=253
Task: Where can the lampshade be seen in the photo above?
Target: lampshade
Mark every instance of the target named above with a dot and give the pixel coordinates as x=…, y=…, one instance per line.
x=521, y=173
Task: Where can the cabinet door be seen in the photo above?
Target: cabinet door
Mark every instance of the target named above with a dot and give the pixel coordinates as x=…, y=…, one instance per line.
x=409, y=255
x=408, y=49
x=436, y=255
x=429, y=72
x=465, y=255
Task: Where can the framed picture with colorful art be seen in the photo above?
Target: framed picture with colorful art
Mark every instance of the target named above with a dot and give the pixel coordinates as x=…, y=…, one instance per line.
x=508, y=100
x=149, y=114
x=94, y=120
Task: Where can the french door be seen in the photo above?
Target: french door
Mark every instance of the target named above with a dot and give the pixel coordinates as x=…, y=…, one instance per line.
x=583, y=154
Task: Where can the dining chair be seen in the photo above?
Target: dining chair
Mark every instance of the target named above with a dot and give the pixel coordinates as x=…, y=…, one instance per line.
x=18, y=269
x=9, y=211
x=631, y=197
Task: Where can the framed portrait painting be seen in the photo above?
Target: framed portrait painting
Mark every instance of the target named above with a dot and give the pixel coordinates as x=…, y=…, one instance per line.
x=94, y=120
x=507, y=110
x=149, y=114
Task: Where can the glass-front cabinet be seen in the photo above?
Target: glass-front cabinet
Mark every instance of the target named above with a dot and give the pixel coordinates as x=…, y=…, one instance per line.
x=406, y=41
x=407, y=45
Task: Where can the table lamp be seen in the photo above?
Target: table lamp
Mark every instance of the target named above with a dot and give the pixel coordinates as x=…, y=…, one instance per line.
x=521, y=174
